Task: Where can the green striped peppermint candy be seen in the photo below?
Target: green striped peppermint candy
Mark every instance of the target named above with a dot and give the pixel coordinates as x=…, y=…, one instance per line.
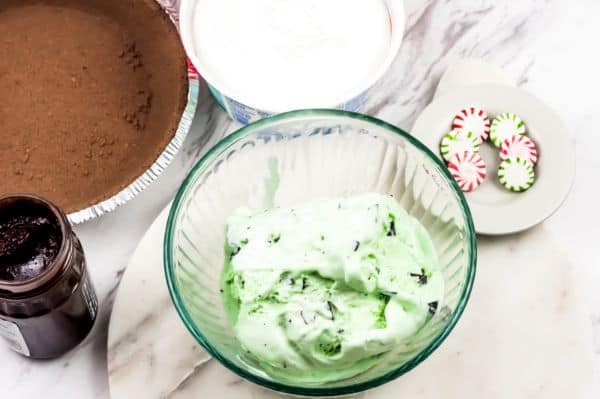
x=458, y=141
x=505, y=126
x=516, y=174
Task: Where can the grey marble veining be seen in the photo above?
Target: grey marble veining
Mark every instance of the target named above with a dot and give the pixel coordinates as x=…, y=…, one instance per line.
x=548, y=46
x=499, y=349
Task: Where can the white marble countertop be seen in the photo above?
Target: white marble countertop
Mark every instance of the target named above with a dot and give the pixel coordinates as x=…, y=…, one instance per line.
x=548, y=46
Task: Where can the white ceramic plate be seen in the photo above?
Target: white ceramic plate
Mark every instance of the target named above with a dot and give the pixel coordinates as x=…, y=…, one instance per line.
x=496, y=210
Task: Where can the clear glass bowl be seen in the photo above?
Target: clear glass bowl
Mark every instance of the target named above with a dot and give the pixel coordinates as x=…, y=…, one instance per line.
x=292, y=158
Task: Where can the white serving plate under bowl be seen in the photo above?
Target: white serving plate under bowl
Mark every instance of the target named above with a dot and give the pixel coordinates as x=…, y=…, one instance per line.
x=495, y=210
x=244, y=109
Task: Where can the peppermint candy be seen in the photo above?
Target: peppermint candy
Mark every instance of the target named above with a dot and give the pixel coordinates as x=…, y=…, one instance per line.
x=505, y=126
x=516, y=174
x=470, y=128
x=475, y=120
x=521, y=147
x=458, y=141
x=468, y=169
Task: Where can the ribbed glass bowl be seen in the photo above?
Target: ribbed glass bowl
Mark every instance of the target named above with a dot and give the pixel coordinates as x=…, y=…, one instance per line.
x=296, y=157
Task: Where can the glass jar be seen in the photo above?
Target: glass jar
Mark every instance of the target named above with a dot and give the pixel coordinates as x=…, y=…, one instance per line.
x=47, y=302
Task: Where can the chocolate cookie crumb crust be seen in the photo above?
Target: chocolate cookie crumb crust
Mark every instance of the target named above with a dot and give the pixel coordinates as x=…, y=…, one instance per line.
x=90, y=95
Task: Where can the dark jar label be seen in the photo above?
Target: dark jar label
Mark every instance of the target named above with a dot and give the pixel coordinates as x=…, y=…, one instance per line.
x=11, y=334
x=89, y=296
x=57, y=329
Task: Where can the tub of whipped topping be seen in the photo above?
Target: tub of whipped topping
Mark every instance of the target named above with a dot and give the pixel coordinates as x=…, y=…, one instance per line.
x=261, y=57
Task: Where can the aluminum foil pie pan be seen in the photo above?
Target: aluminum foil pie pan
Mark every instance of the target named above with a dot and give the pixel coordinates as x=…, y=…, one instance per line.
x=171, y=7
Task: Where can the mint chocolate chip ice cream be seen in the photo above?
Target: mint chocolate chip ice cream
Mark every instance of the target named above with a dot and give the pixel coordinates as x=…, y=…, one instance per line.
x=319, y=292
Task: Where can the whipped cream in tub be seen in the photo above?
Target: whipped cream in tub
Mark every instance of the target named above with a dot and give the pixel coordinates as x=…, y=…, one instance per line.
x=265, y=56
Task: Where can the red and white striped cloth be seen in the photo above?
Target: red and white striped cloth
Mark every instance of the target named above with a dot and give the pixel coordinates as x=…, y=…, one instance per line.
x=171, y=7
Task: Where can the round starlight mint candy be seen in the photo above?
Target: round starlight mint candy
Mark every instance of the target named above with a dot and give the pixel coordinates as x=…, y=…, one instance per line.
x=473, y=119
x=505, y=126
x=516, y=174
x=468, y=169
x=458, y=141
x=519, y=146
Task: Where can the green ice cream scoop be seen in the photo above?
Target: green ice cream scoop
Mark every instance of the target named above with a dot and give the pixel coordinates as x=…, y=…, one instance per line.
x=319, y=292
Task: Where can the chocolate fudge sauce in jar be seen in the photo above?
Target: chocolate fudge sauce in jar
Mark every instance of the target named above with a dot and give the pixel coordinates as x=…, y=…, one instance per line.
x=47, y=303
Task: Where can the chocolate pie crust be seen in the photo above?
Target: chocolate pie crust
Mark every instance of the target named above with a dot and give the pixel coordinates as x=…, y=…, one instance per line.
x=91, y=93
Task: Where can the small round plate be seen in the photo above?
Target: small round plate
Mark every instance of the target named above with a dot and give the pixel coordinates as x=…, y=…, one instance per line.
x=497, y=211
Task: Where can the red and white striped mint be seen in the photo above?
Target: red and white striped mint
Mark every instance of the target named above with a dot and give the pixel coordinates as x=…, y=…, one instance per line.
x=519, y=146
x=468, y=169
x=475, y=120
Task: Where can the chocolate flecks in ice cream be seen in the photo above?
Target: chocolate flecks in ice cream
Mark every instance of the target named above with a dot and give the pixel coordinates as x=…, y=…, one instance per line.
x=344, y=283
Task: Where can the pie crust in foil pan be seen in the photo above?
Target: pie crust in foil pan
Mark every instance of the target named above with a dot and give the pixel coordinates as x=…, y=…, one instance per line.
x=171, y=7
